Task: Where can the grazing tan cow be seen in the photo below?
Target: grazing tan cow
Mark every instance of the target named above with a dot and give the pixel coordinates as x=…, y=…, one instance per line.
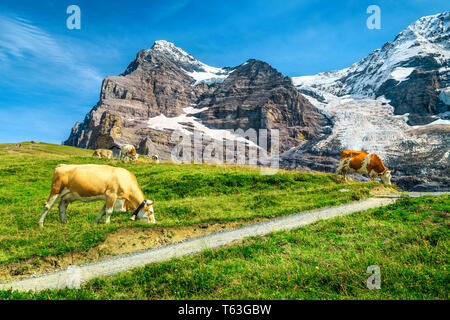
x=128, y=152
x=91, y=182
x=363, y=163
x=102, y=153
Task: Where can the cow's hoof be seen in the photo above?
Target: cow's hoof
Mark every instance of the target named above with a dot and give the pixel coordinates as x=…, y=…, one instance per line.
x=41, y=225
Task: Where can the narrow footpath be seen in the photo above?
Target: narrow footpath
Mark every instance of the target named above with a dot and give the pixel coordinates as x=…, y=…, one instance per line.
x=74, y=276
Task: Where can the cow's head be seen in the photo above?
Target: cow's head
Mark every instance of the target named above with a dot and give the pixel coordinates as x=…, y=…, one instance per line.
x=149, y=211
x=146, y=213
x=386, y=176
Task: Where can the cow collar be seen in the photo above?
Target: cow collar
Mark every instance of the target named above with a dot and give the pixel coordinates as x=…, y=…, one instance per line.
x=139, y=208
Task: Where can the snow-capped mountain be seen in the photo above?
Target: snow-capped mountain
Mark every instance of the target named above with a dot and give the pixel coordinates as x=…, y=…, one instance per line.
x=199, y=71
x=166, y=90
x=420, y=54
x=394, y=102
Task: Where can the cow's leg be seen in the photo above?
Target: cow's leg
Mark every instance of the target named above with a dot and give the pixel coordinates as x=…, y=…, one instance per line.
x=109, y=207
x=47, y=207
x=372, y=175
x=339, y=168
x=344, y=174
x=62, y=211
x=102, y=212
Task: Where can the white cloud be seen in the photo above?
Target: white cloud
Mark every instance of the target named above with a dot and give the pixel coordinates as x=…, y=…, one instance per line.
x=41, y=56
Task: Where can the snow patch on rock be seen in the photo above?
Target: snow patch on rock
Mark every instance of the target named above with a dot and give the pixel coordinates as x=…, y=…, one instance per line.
x=193, y=110
x=199, y=71
x=186, y=123
x=444, y=96
x=439, y=121
x=212, y=75
x=401, y=74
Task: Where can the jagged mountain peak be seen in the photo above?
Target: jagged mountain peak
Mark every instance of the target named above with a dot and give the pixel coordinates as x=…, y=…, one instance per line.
x=164, y=45
x=176, y=55
x=415, y=64
x=165, y=52
x=428, y=28
x=424, y=44
x=258, y=71
x=255, y=66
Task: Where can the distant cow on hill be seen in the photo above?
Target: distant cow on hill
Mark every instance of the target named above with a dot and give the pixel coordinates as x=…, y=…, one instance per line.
x=102, y=153
x=363, y=163
x=91, y=182
x=128, y=152
x=155, y=158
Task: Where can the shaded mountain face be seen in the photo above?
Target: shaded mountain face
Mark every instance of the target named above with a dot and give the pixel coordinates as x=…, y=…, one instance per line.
x=166, y=89
x=412, y=72
x=257, y=96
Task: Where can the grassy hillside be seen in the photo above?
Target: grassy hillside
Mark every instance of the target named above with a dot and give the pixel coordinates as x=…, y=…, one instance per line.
x=183, y=194
x=408, y=241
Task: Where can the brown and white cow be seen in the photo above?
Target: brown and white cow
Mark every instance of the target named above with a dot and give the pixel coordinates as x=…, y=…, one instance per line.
x=128, y=152
x=346, y=153
x=91, y=182
x=103, y=153
x=363, y=163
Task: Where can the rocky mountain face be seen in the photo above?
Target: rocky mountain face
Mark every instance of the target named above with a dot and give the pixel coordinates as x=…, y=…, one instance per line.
x=257, y=96
x=412, y=72
x=395, y=102
x=153, y=84
x=419, y=154
x=165, y=89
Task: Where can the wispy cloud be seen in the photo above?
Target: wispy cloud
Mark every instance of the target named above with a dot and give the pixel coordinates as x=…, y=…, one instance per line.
x=45, y=78
x=20, y=37
x=33, y=51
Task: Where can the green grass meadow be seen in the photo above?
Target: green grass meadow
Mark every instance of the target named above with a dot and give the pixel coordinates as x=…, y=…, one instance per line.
x=408, y=241
x=185, y=194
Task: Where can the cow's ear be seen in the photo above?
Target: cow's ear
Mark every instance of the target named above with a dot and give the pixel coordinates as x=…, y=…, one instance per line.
x=393, y=170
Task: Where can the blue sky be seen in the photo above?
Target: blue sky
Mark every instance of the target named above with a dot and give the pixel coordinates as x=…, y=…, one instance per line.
x=50, y=76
